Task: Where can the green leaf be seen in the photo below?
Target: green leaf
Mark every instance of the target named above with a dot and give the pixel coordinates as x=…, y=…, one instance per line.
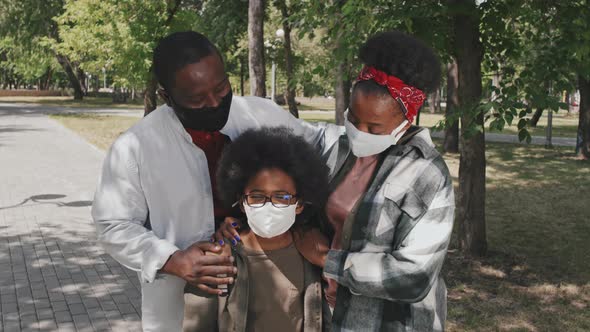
x=522, y=134
x=509, y=118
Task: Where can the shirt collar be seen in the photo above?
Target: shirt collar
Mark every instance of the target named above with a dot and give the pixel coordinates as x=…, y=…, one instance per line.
x=175, y=122
x=419, y=138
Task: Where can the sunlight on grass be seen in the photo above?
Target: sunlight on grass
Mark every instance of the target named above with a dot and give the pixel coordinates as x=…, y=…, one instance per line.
x=99, y=130
x=87, y=102
x=536, y=275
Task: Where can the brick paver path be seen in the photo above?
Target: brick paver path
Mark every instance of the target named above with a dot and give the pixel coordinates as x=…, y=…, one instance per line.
x=53, y=275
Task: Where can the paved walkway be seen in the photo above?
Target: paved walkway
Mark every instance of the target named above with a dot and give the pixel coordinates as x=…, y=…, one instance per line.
x=536, y=140
x=53, y=275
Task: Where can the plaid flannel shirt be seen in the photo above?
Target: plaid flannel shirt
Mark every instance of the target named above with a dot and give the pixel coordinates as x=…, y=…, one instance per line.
x=394, y=240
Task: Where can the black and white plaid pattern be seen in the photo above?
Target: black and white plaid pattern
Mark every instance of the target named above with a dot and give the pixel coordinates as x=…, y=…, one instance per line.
x=389, y=269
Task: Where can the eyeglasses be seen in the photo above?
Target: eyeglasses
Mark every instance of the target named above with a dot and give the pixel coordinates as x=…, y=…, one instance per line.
x=279, y=200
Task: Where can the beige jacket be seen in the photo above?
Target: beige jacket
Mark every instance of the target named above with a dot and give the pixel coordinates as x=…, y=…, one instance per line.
x=232, y=310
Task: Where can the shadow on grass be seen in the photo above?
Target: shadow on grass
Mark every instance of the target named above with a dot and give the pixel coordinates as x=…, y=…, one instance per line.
x=535, y=276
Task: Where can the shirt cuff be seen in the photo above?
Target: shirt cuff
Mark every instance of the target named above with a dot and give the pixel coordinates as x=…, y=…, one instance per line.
x=155, y=259
x=334, y=266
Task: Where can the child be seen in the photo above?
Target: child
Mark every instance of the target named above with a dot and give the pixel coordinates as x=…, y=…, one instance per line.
x=278, y=181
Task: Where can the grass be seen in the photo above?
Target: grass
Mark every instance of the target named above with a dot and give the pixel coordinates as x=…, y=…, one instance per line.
x=100, y=130
x=536, y=276
x=316, y=117
x=87, y=102
x=316, y=103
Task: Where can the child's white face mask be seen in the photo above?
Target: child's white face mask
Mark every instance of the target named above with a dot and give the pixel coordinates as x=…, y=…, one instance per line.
x=269, y=221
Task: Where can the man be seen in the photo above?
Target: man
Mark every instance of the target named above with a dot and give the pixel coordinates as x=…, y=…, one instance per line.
x=154, y=207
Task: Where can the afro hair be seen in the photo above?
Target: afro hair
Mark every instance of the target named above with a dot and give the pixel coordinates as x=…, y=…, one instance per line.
x=279, y=148
x=403, y=56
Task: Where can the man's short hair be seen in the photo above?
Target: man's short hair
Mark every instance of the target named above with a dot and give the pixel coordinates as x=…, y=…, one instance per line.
x=177, y=50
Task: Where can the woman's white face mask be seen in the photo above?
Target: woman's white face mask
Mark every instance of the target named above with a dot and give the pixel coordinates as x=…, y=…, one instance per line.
x=365, y=144
x=269, y=221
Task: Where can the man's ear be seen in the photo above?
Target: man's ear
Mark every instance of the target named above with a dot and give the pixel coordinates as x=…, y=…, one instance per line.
x=164, y=95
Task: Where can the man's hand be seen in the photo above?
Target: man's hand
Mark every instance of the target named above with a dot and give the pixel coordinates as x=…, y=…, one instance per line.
x=312, y=245
x=200, y=270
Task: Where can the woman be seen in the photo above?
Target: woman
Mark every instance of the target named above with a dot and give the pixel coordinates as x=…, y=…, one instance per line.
x=277, y=181
x=390, y=213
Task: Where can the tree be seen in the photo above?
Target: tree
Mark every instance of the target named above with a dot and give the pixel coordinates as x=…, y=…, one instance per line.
x=150, y=97
x=468, y=51
x=256, y=48
x=574, y=21
x=451, y=140
x=34, y=65
x=111, y=34
x=225, y=23
x=31, y=26
x=290, y=91
x=584, y=119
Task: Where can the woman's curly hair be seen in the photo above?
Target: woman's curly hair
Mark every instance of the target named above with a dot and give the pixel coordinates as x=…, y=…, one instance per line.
x=265, y=148
x=403, y=56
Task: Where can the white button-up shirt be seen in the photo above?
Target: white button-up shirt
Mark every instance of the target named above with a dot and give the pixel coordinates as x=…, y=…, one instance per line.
x=154, y=171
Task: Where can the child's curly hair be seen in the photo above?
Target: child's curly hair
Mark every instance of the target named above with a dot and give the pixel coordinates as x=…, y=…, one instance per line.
x=279, y=148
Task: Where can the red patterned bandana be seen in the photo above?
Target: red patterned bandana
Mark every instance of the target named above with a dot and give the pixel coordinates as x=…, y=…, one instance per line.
x=410, y=98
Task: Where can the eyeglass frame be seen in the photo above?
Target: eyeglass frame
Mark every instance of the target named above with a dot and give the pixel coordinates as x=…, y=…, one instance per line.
x=267, y=199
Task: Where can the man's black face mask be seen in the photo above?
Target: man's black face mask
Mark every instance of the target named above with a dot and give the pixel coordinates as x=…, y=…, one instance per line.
x=205, y=118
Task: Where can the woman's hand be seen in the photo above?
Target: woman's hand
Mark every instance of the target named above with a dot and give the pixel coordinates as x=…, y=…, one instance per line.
x=228, y=230
x=312, y=245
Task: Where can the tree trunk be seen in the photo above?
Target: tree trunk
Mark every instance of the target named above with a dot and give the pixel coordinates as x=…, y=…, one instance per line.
x=82, y=79
x=343, y=85
x=451, y=140
x=45, y=79
x=256, y=48
x=539, y=112
x=150, y=99
x=434, y=101
x=536, y=116
x=71, y=74
x=584, y=120
x=242, y=75
x=472, y=166
x=290, y=92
